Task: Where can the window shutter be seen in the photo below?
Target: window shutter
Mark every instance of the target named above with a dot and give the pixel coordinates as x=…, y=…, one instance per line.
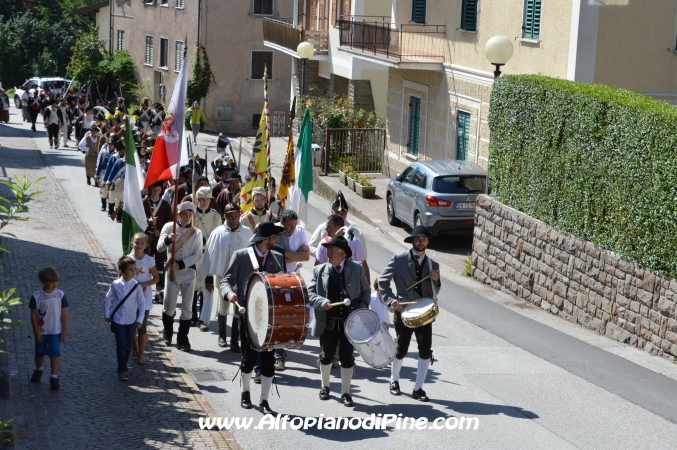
x=418, y=11
x=532, y=19
x=257, y=67
x=335, y=11
x=345, y=7
x=469, y=15
x=414, y=123
x=462, y=135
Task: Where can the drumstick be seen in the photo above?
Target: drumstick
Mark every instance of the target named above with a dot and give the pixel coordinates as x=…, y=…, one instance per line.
x=344, y=302
x=407, y=303
x=240, y=308
x=418, y=282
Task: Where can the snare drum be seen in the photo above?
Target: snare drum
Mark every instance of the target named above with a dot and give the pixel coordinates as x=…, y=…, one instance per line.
x=370, y=338
x=423, y=312
x=277, y=316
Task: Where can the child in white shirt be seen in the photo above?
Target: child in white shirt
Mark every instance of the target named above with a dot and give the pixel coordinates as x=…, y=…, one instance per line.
x=127, y=316
x=147, y=276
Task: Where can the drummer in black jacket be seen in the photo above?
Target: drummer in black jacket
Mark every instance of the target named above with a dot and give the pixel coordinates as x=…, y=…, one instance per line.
x=408, y=268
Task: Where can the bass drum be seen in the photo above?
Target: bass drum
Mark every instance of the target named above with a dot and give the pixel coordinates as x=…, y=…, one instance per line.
x=277, y=316
x=371, y=338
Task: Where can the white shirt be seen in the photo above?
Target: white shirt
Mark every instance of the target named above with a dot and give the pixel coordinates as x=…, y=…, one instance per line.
x=296, y=240
x=321, y=232
x=355, y=246
x=419, y=259
x=380, y=308
x=143, y=274
x=132, y=310
x=49, y=309
x=207, y=222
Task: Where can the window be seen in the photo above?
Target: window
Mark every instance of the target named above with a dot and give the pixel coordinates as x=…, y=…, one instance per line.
x=164, y=52
x=178, y=57
x=531, y=25
x=418, y=11
x=419, y=179
x=459, y=185
x=180, y=4
x=259, y=61
x=414, y=122
x=345, y=9
x=408, y=175
x=469, y=15
x=462, y=134
x=165, y=3
x=121, y=40
x=149, y=51
x=263, y=7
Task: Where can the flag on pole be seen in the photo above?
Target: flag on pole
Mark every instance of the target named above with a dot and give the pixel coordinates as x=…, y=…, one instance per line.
x=133, y=215
x=257, y=170
x=168, y=153
x=298, y=194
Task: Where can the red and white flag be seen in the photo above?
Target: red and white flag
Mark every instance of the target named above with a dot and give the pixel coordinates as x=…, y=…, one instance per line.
x=170, y=152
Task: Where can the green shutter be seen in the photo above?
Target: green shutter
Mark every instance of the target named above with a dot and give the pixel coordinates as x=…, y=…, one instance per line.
x=414, y=123
x=469, y=15
x=418, y=11
x=531, y=28
x=462, y=135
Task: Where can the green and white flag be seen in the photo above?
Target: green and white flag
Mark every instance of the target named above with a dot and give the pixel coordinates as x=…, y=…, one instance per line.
x=134, y=216
x=298, y=194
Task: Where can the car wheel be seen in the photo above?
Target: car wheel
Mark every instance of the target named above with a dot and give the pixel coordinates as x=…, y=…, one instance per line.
x=417, y=220
x=17, y=102
x=392, y=220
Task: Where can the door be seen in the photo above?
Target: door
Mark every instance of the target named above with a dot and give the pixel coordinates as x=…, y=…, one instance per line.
x=157, y=84
x=416, y=197
x=403, y=197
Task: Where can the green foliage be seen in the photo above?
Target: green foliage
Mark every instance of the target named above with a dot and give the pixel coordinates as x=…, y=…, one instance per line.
x=89, y=58
x=592, y=160
x=337, y=112
x=201, y=80
x=467, y=265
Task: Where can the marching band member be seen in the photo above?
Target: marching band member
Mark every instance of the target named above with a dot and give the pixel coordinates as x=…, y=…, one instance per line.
x=188, y=254
x=259, y=256
x=406, y=269
x=332, y=282
x=222, y=243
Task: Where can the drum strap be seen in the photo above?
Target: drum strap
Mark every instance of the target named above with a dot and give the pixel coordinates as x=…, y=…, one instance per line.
x=253, y=258
x=432, y=283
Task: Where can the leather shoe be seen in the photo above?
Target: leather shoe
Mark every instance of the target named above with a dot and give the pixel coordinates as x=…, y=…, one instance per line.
x=419, y=394
x=395, y=388
x=246, y=400
x=235, y=346
x=265, y=408
x=347, y=400
x=222, y=342
x=324, y=393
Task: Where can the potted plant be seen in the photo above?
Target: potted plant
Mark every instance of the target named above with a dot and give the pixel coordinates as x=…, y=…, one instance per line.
x=364, y=188
x=345, y=172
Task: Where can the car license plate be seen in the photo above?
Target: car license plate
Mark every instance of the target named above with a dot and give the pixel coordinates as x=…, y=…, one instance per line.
x=465, y=205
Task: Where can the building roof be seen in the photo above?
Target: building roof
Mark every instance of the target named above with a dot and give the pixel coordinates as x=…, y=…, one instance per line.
x=94, y=7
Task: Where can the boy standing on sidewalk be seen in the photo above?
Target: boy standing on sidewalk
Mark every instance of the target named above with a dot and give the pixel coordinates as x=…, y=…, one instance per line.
x=124, y=306
x=50, y=322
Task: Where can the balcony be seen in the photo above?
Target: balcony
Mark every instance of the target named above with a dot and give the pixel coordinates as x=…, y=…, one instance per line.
x=282, y=35
x=407, y=46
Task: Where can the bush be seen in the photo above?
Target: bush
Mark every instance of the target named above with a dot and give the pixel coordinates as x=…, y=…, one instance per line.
x=592, y=160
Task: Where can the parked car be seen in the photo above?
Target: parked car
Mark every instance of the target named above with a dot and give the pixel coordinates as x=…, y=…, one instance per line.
x=43, y=85
x=440, y=195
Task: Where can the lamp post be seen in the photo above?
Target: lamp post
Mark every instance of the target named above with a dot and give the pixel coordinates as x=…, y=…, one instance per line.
x=498, y=51
x=305, y=50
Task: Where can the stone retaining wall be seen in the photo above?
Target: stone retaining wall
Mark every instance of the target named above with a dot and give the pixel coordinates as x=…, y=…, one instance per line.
x=574, y=279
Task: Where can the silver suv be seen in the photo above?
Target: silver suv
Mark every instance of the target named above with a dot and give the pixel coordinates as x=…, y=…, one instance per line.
x=440, y=195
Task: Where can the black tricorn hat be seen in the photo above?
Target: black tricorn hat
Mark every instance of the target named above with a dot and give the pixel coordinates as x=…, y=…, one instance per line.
x=234, y=176
x=340, y=203
x=419, y=230
x=266, y=230
x=340, y=242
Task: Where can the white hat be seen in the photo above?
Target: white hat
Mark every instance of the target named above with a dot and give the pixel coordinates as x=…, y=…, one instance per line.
x=186, y=206
x=204, y=192
x=258, y=191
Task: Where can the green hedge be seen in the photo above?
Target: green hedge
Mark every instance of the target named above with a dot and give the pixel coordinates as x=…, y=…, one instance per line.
x=592, y=160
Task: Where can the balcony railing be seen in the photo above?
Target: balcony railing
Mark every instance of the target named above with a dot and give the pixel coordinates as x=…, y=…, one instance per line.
x=403, y=43
x=283, y=33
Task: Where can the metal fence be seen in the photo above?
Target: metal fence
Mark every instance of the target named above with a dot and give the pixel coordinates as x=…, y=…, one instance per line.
x=362, y=148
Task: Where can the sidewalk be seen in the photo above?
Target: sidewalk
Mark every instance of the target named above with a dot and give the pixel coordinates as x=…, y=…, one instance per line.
x=160, y=405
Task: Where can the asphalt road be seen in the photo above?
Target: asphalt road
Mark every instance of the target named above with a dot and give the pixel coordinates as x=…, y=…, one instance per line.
x=532, y=380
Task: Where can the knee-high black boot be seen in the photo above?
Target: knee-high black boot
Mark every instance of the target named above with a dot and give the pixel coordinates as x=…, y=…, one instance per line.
x=182, y=342
x=160, y=289
x=111, y=209
x=195, y=309
x=223, y=332
x=168, y=332
x=103, y=204
x=235, y=335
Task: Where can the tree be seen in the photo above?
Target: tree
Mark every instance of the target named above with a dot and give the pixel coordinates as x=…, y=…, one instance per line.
x=201, y=80
x=88, y=55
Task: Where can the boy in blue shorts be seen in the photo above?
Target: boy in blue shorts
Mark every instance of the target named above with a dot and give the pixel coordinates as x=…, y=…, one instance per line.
x=50, y=323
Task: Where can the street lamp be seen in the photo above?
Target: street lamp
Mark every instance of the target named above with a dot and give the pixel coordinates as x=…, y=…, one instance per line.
x=498, y=51
x=305, y=50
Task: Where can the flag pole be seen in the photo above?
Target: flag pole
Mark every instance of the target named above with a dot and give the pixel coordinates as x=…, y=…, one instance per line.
x=292, y=116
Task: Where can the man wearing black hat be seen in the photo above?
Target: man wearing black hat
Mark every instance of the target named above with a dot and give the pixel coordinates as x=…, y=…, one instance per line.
x=101, y=163
x=221, y=174
x=232, y=193
x=158, y=213
x=408, y=268
x=333, y=282
x=114, y=167
x=259, y=256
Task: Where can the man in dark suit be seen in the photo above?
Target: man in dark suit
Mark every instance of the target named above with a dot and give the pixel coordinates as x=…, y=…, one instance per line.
x=332, y=282
x=407, y=268
x=233, y=285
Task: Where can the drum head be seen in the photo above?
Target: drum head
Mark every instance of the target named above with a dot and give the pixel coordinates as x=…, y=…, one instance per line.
x=418, y=308
x=362, y=325
x=257, y=311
